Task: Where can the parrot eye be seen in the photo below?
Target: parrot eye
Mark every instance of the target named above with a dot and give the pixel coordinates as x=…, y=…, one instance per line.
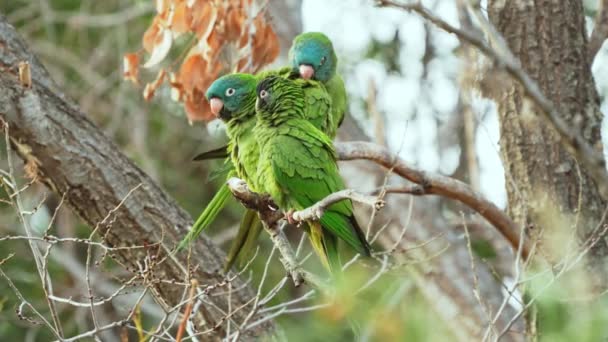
x=263, y=94
x=323, y=59
x=230, y=91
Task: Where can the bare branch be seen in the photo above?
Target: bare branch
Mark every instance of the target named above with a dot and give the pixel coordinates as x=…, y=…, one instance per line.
x=70, y=155
x=590, y=156
x=270, y=215
x=315, y=212
x=182, y=326
x=438, y=185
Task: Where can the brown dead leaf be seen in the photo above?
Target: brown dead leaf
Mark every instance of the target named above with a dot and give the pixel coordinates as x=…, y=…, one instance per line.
x=195, y=76
x=218, y=25
x=162, y=5
x=151, y=87
x=265, y=45
x=182, y=18
x=192, y=72
x=204, y=15
x=213, y=46
x=151, y=34
x=234, y=24
x=177, y=90
x=131, y=67
x=161, y=48
x=197, y=108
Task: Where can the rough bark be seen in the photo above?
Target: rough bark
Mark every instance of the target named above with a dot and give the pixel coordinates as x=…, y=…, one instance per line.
x=73, y=157
x=546, y=191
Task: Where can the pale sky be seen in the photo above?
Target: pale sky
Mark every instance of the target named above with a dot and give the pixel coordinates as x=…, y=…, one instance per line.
x=411, y=111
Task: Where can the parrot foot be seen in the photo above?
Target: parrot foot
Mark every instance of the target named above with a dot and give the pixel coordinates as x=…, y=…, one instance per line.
x=289, y=216
x=290, y=219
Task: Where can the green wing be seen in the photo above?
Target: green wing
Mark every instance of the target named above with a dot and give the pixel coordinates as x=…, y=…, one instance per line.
x=318, y=106
x=305, y=169
x=337, y=92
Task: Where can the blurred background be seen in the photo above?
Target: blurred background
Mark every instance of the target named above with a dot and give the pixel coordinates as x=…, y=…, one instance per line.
x=411, y=88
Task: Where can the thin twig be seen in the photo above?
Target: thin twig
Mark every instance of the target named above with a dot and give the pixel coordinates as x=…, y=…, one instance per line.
x=438, y=185
x=589, y=156
x=187, y=312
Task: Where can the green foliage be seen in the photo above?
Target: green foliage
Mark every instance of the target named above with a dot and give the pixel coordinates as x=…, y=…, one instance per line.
x=85, y=60
x=566, y=311
x=483, y=249
x=389, y=310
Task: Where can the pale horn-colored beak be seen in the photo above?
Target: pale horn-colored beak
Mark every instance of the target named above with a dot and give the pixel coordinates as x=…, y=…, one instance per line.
x=216, y=106
x=306, y=71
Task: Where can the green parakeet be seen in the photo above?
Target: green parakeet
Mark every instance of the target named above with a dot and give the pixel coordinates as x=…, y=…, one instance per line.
x=311, y=56
x=232, y=99
x=297, y=166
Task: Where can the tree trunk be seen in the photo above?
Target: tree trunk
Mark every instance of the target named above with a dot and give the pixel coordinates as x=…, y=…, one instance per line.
x=74, y=158
x=548, y=191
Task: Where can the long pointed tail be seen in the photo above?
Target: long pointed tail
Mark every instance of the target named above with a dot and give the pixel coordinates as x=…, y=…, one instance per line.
x=251, y=242
x=218, y=153
x=325, y=245
x=207, y=216
x=245, y=240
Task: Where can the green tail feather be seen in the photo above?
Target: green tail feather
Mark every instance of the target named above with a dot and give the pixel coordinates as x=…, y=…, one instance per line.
x=325, y=245
x=245, y=240
x=218, y=153
x=209, y=214
x=354, y=236
x=251, y=242
x=330, y=244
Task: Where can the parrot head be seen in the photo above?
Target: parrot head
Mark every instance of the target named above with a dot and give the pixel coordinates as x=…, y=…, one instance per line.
x=276, y=94
x=312, y=55
x=229, y=96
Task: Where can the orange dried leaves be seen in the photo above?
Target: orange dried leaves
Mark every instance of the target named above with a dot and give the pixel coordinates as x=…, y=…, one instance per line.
x=218, y=26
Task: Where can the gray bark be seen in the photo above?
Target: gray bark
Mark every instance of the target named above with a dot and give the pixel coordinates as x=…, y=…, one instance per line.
x=549, y=192
x=74, y=158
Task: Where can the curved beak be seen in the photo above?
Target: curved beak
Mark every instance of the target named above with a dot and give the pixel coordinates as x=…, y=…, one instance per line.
x=216, y=106
x=306, y=71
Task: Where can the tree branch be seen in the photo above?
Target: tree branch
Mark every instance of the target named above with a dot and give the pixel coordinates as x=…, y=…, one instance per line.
x=438, y=185
x=270, y=215
x=74, y=158
x=590, y=156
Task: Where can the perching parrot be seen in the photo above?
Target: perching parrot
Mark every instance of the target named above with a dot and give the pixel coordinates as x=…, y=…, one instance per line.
x=311, y=56
x=297, y=166
x=232, y=99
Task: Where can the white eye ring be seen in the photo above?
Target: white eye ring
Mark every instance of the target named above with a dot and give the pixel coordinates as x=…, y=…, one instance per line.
x=263, y=94
x=323, y=59
x=230, y=91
